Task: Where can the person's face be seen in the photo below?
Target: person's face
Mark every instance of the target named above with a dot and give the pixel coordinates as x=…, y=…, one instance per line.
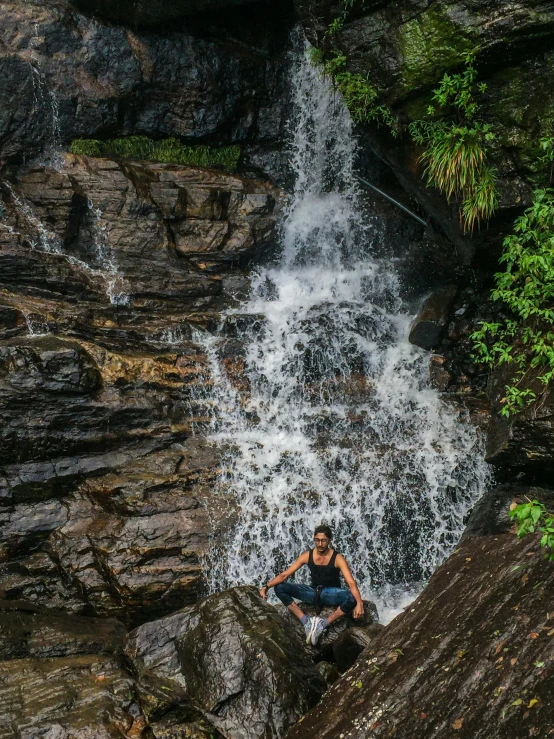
x=321, y=543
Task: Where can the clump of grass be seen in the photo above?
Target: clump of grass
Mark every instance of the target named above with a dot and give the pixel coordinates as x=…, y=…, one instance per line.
x=169, y=151
x=456, y=146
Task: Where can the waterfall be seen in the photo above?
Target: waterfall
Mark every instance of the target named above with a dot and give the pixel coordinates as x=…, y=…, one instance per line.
x=335, y=420
x=102, y=261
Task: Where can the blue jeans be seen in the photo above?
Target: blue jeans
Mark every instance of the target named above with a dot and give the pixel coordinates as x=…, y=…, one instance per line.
x=286, y=591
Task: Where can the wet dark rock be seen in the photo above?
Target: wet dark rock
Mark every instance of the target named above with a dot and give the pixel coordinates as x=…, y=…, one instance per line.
x=430, y=322
x=12, y=322
x=66, y=75
x=524, y=442
x=169, y=711
x=60, y=676
x=65, y=697
x=102, y=487
x=156, y=237
x=348, y=647
x=128, y=543
x=153, y=12
x=47, y=364
x=31, y=631
x=490, y=515
x=235, y=659
x=439, y=375
x=470, y=658
x=328, y=671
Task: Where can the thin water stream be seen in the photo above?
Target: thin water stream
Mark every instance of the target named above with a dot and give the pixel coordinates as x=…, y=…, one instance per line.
x=339, y=423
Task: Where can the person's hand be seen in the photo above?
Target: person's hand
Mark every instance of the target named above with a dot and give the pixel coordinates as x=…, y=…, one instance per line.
x=263, y=592
x=359, y=610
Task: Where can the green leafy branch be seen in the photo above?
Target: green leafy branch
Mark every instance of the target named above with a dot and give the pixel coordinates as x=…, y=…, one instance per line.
x=455, y=146
x=533, y=517
x=359, y=94
x=526, y=288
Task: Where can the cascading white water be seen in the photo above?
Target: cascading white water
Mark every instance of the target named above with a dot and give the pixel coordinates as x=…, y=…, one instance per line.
x=101, y=254
x=340, y=424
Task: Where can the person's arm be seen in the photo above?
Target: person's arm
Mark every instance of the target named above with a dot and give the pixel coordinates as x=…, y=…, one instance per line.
x=302, y=560
x=345, y=569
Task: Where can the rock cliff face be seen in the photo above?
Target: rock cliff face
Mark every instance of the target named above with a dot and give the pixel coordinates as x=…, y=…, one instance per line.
x=133, y=256
x=66, y=75
x=109, y=271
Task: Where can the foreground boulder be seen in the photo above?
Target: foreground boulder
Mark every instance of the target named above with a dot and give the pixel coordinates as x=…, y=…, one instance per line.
x=234, y=659
x=471, y=658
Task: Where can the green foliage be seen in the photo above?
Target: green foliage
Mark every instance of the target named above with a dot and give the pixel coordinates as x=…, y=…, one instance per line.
x=531, y=517
x=170, y=151
x=359, y=94
x=455, y=146
x=526, y=288
x=545, y=162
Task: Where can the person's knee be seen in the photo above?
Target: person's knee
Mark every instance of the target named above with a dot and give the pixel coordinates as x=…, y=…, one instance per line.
x=347, y=606
x=281, y=591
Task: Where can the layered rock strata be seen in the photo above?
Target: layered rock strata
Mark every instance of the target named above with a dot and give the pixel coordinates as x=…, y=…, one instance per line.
x=107, y=269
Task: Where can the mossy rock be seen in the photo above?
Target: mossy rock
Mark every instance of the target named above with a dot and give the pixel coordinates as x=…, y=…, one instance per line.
x=431, y=44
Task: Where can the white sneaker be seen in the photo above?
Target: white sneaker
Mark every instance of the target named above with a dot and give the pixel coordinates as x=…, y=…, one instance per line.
x=308, y=628
x=317, y=630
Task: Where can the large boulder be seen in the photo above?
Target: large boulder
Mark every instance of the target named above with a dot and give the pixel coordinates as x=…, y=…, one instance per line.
x=470, y=658
x=234, y=658
x=429, y=324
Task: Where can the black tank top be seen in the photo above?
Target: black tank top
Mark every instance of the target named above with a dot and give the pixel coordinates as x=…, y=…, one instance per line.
x=328, y=576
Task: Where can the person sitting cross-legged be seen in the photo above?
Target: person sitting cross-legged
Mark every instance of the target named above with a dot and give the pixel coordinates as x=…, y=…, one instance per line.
x=325, y=565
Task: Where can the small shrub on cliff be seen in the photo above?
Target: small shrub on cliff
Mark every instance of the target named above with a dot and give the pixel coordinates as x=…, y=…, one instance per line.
x=170, y=151
x=531, y=517
x=358, y=93
x=526, y=288
x=455, y=146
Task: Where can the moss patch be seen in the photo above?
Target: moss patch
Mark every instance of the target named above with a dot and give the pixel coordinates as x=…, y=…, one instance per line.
x=169, y=151
x=523, y=113
x=431, y=44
